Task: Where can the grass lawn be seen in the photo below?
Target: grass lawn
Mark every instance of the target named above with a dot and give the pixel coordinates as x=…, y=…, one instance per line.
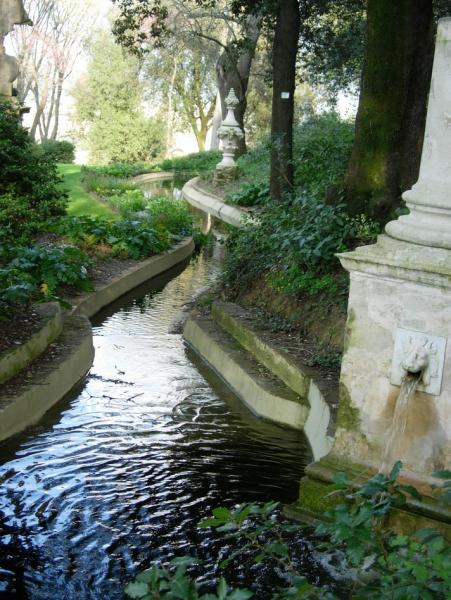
x=80, y=202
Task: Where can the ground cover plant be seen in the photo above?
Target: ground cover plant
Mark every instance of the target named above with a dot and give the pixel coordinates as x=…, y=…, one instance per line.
x=47, y=254
x=372, y=559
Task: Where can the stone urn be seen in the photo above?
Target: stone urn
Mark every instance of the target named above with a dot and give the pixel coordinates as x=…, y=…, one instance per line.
x=230, y=133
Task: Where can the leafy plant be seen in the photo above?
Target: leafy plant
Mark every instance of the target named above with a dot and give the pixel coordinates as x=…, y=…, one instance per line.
x=36, y=273
x=376, y=561
x=293, y=247
x=251, y=194
x=130, y=201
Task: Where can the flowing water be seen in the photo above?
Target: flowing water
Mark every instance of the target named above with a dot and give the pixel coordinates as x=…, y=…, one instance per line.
x=399, y=421
x=119, y=474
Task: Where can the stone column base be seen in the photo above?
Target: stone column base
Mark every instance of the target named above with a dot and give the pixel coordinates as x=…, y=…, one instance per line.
x=316, y=497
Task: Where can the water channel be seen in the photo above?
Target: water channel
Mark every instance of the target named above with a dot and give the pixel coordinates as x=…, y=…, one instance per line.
x=119, y=474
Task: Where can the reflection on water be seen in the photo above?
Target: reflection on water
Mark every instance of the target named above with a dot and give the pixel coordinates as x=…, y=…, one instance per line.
x=121, y=473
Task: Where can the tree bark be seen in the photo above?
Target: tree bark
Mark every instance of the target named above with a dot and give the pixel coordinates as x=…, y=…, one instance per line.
x=284, y=74
x=392, y=108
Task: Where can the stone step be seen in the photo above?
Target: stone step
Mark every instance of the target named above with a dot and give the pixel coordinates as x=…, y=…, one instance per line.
x=258, y=388
x=321, y=394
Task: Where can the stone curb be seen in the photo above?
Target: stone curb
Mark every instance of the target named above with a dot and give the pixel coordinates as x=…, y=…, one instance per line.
x=38, y=396
x=91, y=303
x=19, y=358
x=149, y=177
x=270, y=402
x=232, y=319
x=48, y=386
x=212, y=204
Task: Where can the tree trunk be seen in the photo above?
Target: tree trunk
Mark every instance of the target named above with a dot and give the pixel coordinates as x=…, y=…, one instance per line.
x=284, y=73
x=392, y=107
x=217, y=120
x=59, y=92
x=235, y=74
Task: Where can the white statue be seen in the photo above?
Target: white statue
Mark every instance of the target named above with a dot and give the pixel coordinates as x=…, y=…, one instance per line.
x=229, y=133
x=12, y=13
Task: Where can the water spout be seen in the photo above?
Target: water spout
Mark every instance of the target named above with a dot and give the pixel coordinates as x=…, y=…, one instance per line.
x=399, y=422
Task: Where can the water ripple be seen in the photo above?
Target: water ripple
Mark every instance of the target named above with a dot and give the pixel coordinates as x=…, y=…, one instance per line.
x=124, y=472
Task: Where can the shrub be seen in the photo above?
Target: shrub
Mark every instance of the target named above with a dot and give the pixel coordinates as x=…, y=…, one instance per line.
x=36, y=273
x=29, y=183
x=59, y=151
x=154, y=230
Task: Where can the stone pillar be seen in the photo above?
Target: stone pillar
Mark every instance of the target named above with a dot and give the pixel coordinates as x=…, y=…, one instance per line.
x=400, y=296
x=429, y=201
x=12, y=13
x=229, y=133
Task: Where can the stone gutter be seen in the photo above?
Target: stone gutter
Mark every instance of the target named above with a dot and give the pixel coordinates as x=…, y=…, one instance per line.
x=26, y=397
x=16, y=359
x=212, y=204
x=295, y=395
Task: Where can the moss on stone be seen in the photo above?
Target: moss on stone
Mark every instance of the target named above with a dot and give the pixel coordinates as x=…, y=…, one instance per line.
x=348, y=416
x=314, y=496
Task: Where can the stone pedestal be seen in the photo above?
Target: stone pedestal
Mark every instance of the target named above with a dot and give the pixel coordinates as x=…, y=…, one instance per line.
x=401, y=286
x=229, y=133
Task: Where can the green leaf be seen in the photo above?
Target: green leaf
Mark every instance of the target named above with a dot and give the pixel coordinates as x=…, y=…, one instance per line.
x=222, y=589
x=136, y=590
x=444, y=474
x=240, y=594
x=222, y=513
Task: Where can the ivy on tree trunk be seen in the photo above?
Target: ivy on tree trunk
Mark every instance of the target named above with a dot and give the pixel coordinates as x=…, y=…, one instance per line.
x=285, y=48
x=392, y=108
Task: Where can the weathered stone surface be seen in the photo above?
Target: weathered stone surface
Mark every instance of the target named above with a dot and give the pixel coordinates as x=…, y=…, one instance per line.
x=402, y=283
x=212, y=205
x=263, y=394
x=18, y=358
x=230, y=134
x=12, y=13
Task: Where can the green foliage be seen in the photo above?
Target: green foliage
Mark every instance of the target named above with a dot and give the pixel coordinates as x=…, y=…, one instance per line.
x=250, y=194
x=293, y=247
x=376, y=562
x=197, y=163
x=105, y=185
x=109, y=107
x=163, y=222
x=36, y=273
x=322, y=148
x=295, y=243
x=120, y=170
x=170, y=214
x=29, y=190
x=59, y=151
x=129, y=201
x=332, y=42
